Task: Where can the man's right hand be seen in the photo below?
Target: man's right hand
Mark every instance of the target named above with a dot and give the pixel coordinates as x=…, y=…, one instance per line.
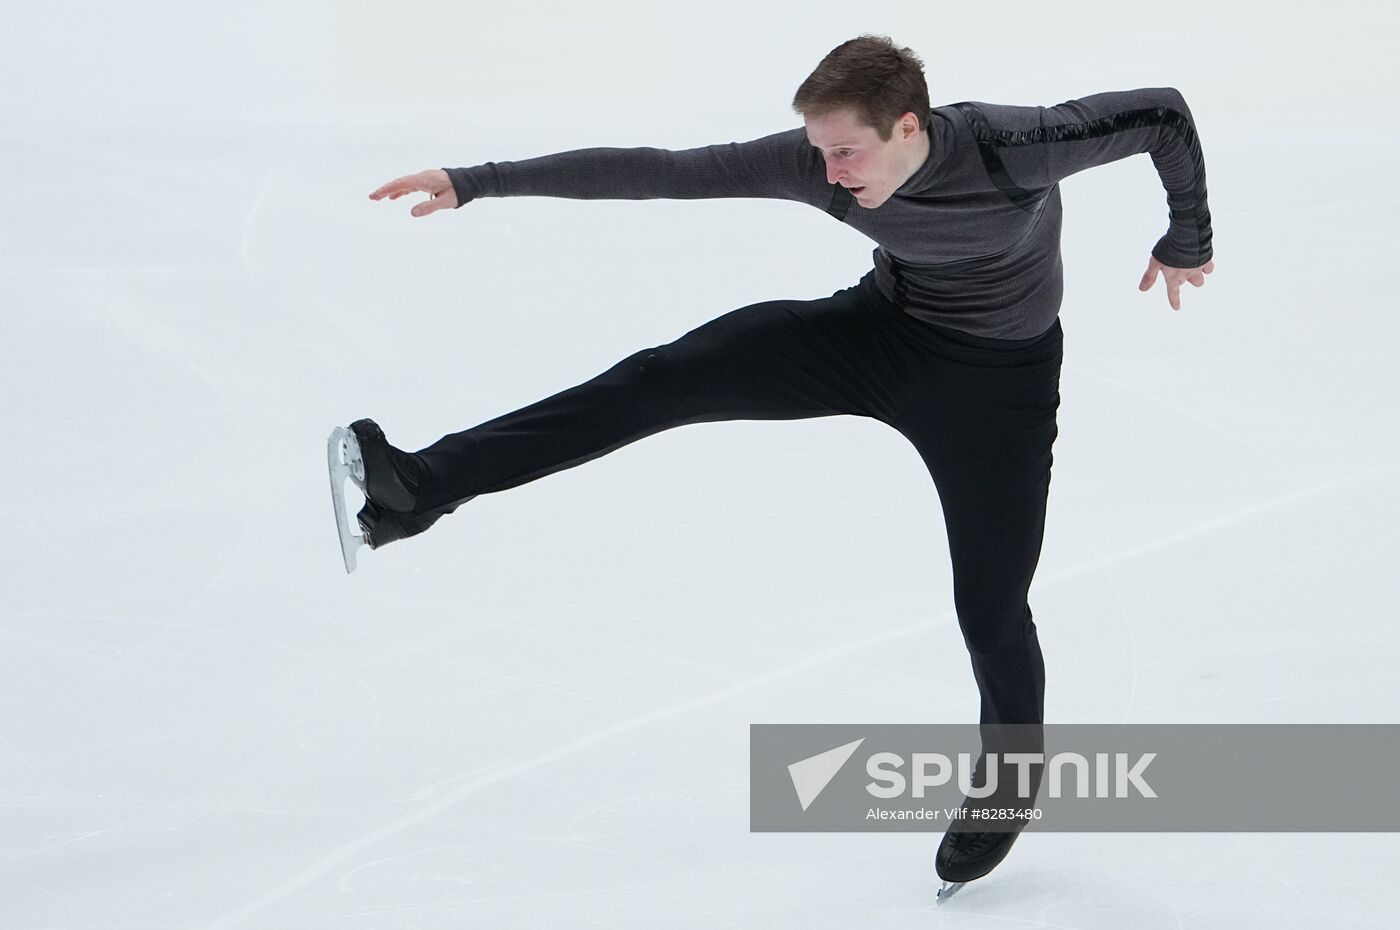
x=433, y=181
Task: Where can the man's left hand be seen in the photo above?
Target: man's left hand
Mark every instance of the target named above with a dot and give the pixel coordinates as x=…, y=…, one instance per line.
x=1174, y=277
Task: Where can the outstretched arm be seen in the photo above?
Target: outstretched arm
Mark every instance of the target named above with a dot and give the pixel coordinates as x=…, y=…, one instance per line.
x=781, y=165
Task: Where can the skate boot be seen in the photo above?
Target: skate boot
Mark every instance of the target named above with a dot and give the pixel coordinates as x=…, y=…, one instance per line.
x=965, y=855
x=390, y=480
x=967, y=852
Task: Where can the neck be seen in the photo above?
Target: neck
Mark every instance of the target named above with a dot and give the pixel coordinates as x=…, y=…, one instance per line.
x=919, y=149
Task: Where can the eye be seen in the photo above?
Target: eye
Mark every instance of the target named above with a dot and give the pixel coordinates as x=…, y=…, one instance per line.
x=844, y=154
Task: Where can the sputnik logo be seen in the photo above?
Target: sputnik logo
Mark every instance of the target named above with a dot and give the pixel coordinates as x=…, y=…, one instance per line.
x=810, y=776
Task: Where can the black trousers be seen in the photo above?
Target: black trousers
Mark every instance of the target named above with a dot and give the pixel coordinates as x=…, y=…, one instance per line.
x=980, y=412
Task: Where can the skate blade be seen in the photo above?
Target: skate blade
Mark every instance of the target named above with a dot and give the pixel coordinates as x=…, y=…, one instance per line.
x=948, y=890
x=344, y=461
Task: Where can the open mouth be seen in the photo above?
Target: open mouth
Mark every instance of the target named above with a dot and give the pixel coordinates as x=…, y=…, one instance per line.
x=857, y=190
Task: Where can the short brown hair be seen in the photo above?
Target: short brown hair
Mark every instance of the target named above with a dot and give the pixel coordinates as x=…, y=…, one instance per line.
x=873, y=77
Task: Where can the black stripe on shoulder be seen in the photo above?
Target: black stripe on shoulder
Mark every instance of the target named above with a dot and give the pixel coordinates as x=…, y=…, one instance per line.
x=988, y=140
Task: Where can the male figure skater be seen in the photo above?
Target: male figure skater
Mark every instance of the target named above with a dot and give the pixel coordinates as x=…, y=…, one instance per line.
x=953, y=338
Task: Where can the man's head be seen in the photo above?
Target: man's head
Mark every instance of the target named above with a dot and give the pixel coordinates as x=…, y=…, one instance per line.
x=865, y=107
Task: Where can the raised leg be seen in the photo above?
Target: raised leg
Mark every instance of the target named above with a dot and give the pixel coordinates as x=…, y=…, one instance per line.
x=781, y=359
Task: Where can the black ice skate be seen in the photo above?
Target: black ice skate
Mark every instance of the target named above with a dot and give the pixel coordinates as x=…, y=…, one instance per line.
x=390, y=480
x=967, y=852
x=965, y=855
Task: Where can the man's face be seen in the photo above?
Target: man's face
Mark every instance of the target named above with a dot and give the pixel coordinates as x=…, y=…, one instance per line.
x=857, y=159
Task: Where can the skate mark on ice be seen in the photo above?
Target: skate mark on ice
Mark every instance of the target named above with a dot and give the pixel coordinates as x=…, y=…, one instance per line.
x=764, y=890
x=481, y=779
x=484, y=778
x=1126, y=622
x=1185, y=411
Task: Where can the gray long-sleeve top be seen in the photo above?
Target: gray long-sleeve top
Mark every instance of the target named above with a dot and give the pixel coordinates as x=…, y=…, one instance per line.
x=970, y=241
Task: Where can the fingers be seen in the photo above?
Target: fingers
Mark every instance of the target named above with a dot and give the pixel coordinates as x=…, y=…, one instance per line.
x=393, y=189
x=429, y=206
x=433, y=182
x=1148, y=278
x=408, y=184
x=1173, y=278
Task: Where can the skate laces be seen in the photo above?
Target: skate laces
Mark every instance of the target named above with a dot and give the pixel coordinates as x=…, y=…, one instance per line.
x=973, y=843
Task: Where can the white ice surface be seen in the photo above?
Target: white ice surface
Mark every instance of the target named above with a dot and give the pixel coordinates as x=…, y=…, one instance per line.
x=536, y=715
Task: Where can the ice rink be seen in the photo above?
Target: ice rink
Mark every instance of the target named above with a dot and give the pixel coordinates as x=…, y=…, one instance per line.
x=536, y=714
